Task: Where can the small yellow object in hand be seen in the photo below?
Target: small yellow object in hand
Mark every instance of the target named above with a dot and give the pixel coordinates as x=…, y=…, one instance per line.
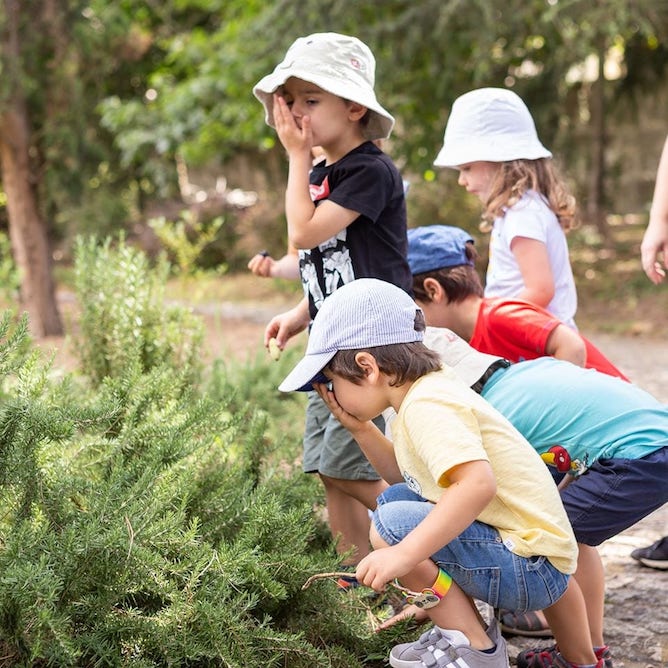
x=274, y=350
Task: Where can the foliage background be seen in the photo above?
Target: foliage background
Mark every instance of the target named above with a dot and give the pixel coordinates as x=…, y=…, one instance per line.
x=141, y=109
x=150, y=513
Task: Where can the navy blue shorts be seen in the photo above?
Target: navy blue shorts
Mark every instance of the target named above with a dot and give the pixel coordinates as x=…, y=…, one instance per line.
x=614, y=494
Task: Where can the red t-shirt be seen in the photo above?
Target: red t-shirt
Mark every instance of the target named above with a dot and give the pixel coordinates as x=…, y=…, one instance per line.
x=519, y=330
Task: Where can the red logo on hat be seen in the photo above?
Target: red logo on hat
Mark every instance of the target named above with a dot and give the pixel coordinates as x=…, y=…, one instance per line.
x=355, y=64
x=321, y=191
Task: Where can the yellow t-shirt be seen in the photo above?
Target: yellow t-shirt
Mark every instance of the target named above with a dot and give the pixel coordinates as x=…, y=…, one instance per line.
x=443, y=423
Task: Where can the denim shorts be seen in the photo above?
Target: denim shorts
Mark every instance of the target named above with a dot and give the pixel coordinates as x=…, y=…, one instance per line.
x=477, y=560
x=330, y=449
x=614, y=494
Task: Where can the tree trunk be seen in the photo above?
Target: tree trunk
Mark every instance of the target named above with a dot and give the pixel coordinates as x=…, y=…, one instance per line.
x=27, y=229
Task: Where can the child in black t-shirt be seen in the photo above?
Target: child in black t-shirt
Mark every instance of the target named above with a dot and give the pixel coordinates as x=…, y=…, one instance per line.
x=346, y=215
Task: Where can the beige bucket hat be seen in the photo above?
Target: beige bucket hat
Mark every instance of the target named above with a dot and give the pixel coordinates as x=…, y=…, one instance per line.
x=339, y=64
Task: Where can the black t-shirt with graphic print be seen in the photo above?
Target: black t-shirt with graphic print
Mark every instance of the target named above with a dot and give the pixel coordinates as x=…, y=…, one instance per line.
x=372, y=246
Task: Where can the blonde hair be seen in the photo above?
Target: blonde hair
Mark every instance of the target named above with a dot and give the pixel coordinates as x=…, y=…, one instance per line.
x=515, y=177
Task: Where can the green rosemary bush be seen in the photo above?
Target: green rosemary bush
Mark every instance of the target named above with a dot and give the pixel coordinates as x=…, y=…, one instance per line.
x=148, y=520
x=125, y=320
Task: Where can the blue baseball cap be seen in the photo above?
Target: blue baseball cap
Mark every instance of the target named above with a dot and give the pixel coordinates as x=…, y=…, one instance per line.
x=436, y=247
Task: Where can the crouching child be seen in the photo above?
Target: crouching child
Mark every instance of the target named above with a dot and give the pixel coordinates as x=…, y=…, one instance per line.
x=472, y=512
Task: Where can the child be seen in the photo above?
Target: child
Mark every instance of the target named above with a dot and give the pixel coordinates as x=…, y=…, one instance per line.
x=460, y=526
x=347, y=217
x=448, y=289
x=491, y=139
x=607, y=428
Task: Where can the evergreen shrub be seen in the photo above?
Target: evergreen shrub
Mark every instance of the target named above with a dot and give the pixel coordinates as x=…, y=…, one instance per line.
x=124, y=319
x=149, y=520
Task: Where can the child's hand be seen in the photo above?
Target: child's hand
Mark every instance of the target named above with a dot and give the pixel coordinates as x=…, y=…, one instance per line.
x=262, y=264
x=296, y=138
x=284, y=326
x=350, y=422
x=381, y=566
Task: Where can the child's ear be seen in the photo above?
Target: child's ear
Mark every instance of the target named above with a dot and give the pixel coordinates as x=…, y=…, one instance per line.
x=434, y=290
x=367, y=363
x=356, y=111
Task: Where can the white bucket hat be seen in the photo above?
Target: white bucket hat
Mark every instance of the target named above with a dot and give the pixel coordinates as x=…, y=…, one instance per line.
x=364, y=313
x=465, y=361
x=490, y=124
x=341, y=65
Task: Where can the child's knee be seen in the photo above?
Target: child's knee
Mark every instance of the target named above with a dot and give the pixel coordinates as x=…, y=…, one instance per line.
x=375, y=539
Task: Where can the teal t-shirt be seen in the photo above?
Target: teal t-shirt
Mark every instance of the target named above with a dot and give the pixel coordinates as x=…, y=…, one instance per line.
x=574, y=416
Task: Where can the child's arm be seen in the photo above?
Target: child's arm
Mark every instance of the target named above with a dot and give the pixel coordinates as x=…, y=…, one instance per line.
x=262, y=264
x=655, y=239
x=308, y=225
x=531, y=327
x=285, y=325
x=534, y=264
x=472, y=487
x=564, y=343
x=374, y=444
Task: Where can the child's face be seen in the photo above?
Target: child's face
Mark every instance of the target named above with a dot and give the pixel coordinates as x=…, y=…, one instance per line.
x=329, y=113
x=364, y=401
x=477, y=177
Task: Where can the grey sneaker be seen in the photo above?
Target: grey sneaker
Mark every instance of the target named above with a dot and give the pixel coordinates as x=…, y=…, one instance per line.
x=654, y=556
x=449, y=649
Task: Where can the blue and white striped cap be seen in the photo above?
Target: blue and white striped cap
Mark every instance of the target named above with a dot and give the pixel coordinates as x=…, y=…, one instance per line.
x=361, y=314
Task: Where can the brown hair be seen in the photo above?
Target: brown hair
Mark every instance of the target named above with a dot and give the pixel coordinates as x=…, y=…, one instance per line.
x=403, y=362
x=515, y=177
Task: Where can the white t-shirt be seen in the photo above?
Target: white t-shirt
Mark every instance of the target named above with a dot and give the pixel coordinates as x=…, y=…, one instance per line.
x=532, y=218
